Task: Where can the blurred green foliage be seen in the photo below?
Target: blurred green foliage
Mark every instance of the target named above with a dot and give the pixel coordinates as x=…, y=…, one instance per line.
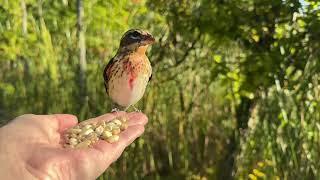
x=235, y=91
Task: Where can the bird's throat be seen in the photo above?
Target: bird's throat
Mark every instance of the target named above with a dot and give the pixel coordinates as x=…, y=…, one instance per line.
x=142, y=50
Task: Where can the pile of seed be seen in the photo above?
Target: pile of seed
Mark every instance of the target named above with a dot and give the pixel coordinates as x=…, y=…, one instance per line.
x=86, y=134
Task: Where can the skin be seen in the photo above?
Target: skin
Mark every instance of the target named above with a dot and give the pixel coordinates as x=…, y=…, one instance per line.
x=31, y=148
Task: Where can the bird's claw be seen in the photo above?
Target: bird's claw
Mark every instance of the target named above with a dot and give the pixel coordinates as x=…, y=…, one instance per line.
x=115, y=110
x=136, y=109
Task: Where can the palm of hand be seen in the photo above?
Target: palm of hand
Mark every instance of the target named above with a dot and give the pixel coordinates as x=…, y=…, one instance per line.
x=38, y=139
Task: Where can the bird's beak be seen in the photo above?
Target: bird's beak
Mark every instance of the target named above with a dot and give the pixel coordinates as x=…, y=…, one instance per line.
x=148, y=39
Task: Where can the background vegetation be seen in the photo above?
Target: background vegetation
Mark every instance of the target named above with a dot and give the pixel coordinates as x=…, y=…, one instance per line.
x=235, y=92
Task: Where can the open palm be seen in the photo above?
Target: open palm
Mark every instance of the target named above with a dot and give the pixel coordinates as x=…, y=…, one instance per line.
x=34, y=146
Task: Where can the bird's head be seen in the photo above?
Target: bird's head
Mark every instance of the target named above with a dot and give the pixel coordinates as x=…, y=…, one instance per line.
x=135, y=39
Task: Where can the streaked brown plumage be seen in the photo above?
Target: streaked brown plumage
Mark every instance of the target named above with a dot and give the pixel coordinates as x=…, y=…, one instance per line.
x=128, y=72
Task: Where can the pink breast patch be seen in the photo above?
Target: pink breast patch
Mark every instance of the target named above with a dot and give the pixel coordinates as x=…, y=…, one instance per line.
x=132, y=74
x=131, y=79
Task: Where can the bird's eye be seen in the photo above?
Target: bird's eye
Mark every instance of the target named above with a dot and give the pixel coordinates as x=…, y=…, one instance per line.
x=135, y=35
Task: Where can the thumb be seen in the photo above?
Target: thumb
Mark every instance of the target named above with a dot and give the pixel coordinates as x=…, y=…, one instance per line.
x=65, y=121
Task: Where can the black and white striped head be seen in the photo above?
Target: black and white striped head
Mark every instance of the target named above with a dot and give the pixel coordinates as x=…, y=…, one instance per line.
x=135, y=38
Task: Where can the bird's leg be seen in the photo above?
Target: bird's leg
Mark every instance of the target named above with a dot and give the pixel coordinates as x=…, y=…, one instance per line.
x=115, y=108
x=135, y=109
x=125, y=110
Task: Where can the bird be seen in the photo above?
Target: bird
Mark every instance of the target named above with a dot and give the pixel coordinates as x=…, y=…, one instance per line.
x=127, y=74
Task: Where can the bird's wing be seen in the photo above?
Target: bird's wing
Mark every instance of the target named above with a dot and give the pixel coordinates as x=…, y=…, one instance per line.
x=107, y=73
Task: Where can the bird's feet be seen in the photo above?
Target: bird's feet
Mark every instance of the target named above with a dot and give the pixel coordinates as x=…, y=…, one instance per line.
x=136, y=109
x=115, y=110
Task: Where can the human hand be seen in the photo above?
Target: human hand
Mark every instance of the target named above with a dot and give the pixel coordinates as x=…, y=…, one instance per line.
x=31, y=148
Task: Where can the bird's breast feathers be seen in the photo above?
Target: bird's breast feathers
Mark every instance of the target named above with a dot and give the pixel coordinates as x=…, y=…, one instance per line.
x=128, y=78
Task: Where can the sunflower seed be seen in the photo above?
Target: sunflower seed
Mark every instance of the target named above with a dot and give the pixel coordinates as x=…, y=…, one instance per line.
x=117, y=122
x=111, y=124
x=113, y=139
x=85, y=132
x=93, y=137
x=101, y=123
x=83, y=144
x=108, y=128
x=116, y=130
x=73, y=136
x=123, y=119
x=106, y=134
x=74, y=131
x=87, y=126
x=124, y=126
x=99, y=130
x=73, y=141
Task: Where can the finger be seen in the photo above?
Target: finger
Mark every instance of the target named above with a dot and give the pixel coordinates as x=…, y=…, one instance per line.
x=128, y=136
x=136, y=118
x=94, y=161
x=65, y=121
x=46, y=123
x=111, y=152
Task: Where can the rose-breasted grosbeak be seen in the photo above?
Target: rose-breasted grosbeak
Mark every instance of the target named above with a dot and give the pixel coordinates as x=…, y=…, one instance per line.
x=129, y=71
